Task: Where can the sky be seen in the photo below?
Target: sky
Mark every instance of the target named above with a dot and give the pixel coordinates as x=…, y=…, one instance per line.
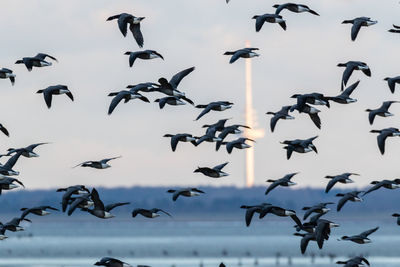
x=92, y=63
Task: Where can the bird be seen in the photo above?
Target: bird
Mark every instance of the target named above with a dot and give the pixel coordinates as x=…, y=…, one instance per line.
x=142, y=87
x=171, y=87
x=69, y=191
x=397, y=215
x=152, y=213
x=283, y=114
x=232, y=129
x=311, y=98
x=101, y=164
x=82, y=201
x=7, y=183
x=360, y=238
x=284, y=181
x=184, y=137
x=311, y=111
x=270, y=18
x=392, y=82
x=239, y=143
x=215, y=172
x=383, y=134
x=146, y=54
x=354, y=262
x=350, y=66
x=357, y=24
x=395, y=30
x=309, y=226
x=247, y=52
x=216, y=106
x=343, y=178
x=36, y=61
x=299, y=146
x=382, y=111
x=111, y=262
x=218, y=126
x=26, y=151
x=4, y=130
x=40, y=211
x=250, y=210
x=54, y=90
x=281, y=212
x=134, y=26
x=208, y=137
x=388, y=184
x=350, y=196
x=98, y=208
x=7, y=74
x=126, y=96
x=14, y=226
x=296, y=8
x=185, y=192
x=344, y=97
x=319, y=208
x=173, y=101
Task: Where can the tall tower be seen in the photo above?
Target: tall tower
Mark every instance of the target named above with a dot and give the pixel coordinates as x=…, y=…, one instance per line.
x=251, y=121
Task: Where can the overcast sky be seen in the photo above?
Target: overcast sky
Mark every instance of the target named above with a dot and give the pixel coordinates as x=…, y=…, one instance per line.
x=193, y=33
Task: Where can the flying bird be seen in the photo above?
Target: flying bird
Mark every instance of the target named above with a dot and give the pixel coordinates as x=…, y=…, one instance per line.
x=357, y=24
x=239, y=143
x=126, y=96
x=251, y=210
x=247, y=52
x=392, y=82
x=216, y=106
x=383, y=134
x=26, y=151
x=388, y=184
x=397, y=215
x=311, y=111
x=351, y=66
x=344, y=97
x=134, y=26
x=232, y=129
x=111, y=262
x=270, y=18
x=186, y=192
x=36, y=61
x=69, y=191
x=173, y=101
x=360, y=238
x=319, y=208
x=281, y=114
x=8, y=183
x=101, y=164
x=296, y=8
x=299, y=146
x=171, y=87
x=39, y=211
x=54, y=90
x=215, y=172
x=7, y=74
x=343, y=178
x=152, y=213
x=176, y=138
x=284, y=181
x=354, y=262
x=98, y=208
x=146, y=54
x=350, y=196
x=382, y=111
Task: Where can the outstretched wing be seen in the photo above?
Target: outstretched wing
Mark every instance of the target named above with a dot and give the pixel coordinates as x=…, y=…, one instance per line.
x=346, y=75
x=177, y=78
x=355, y=29
x=350, y=89
x=341, y=202
x=109, y=207
x=107, y=160
x=98, y=204
x=204, y=112
x=137, y=34
x=220, y=167
x=381, y=141
x=368, y=232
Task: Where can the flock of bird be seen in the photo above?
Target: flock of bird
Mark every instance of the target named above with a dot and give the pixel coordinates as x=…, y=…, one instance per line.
x=315, y=229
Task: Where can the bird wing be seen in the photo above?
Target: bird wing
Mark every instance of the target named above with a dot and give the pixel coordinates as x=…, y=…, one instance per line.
x=296, y=220
x=342, y=201
x=355, y=29
x=70, y=95
x=235, y=56
x=249, y=215
x=375, y=187
x=137, y=34
x=82, y=163
x=11, y=161
x=177, y=78
x=381, y=141
x=204, y=112
x=220, y=167
x=329, y=186
x=47, y=97
x=273, y=122
x=350, y=89
x=271, y=187
x=75, y=204
x=320, y=232
x=346, y=75
x=392, y=85
x=4, y=130
x=122, y=23
x=107, y=160
x=368, y=232
x=371, y=116
x=174, y=142
x=163, y=211
x=109, y=207
x=43, y=56
x=316, y=120
x=132, y=57
x=304, y=243
x=259, y=23
x=33, y=146
x=115, y=101
x=98, y=204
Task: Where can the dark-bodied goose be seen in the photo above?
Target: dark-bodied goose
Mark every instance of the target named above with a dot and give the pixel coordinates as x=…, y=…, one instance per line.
x=146, y=54
x=7, y=74
x=247, y=52
x=14, y=226
x=388, y=184
x=98, y=206
x=232, y=129
x=134, y=26
x=219, y=125
x=323, y=230
x=36, y=61
x=176, y=138
x=383, y=134
x=54, y=90
x=299, y=146
x=69, y=191
x=285, y=181
x=354, y=262
x=186, y=192
x=350, y=196
x=209, y=136
x=350, y=67
x=215, y=172
x=173, y=101
x=171, y=88
x=309, y=226
x=392, y=82
x=152, y=213
x=382, y=111
x=39, y=211
x=311, y=111
x=26, y=151
x=281, y=114
x=4, y=130
x=126, y=96
x=111, y=262
x=142, y=87
x=250, y=210
x=281, y=212
x=319, y=208
x=343, y=178
x=84, y=202
x=312, y=98
x=357, y=24
x=101, y=164
x=398, y=217
x=270, y=18
x=395, y=30
x=344, y=97
x=7, y=168
x=239, y=143
x=7, y=183
x=360, y=238
x=216, y=106
x=296, y=8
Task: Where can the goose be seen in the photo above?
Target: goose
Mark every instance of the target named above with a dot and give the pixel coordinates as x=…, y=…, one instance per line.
x=142, y=87
x=350, y=196
x=232, y=129
x=281, y=212
x=26, y=151
x=311, y=111
x=36, y=61
x=382, y=111
x=171, y=87
x=350, y=67
x=98, y=208
x=146, y=54
x=284, y=181
x=247, y=52
x=383, y=134
x=101, y=164
x=39, y=211
x=7, y=74
x=209, y=136
x=215, y=172
x=343, y=178
x=176, y=138
x=296, y=8
x=134, y=26
x=312, y=98
x=395, y=30
x=357, y=24
x=4, y=130
x=8, y=183
x=283, y=114
x=55, y=90
x=126, y=96
x=186, y=192
x=219, y=125
x=319, y=208
x=111, y=262
x=250, y=210
x=360, y=238
x=392, y=82
x=239, y=143
x=309, y=226
x=299, y=146
x=173, y=101
x=14, y=226
x=388, y=184
x=398, y=217
x=152, y=213
x=270, y=18
x=354, y=262
x=344, y=97
x=69, y=191
x=82, y=201
x=216, y=106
